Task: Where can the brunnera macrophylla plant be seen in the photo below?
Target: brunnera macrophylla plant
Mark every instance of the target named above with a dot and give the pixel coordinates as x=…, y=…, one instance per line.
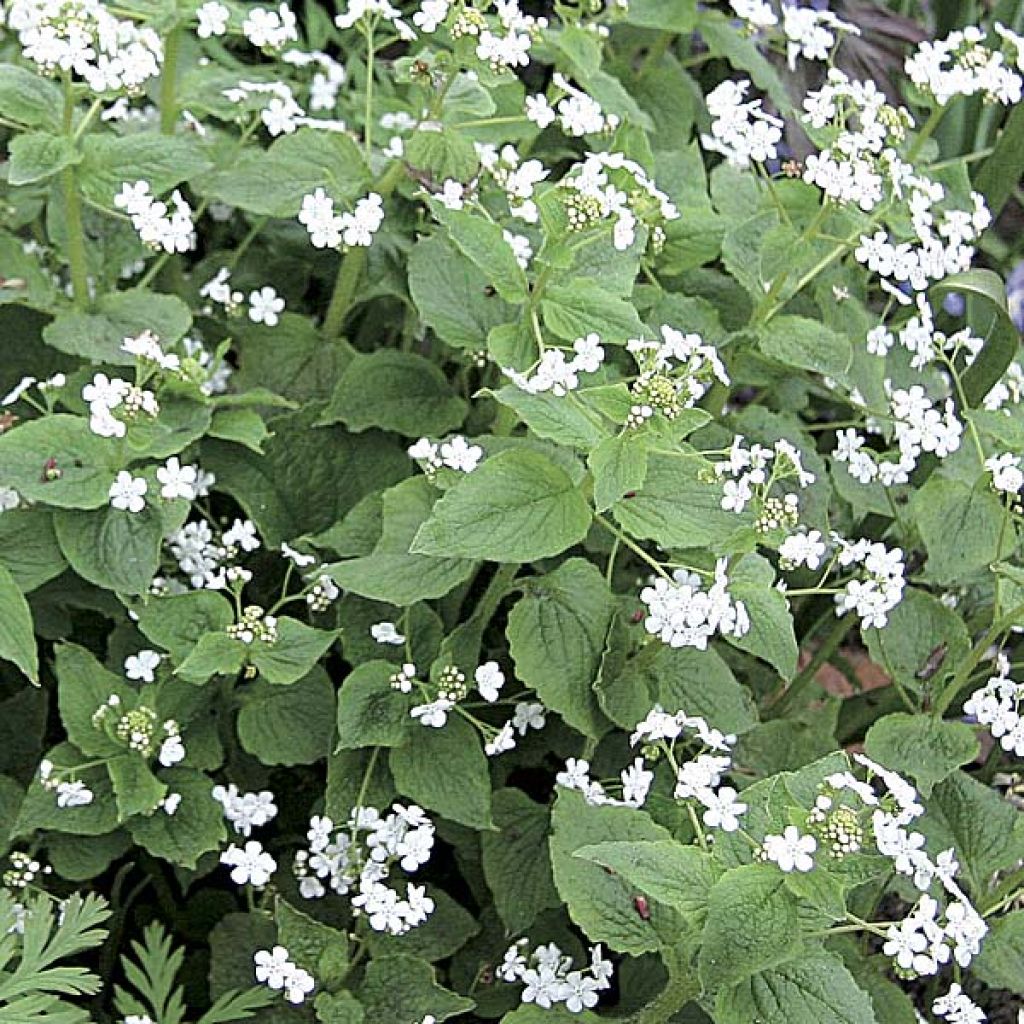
x=456, y=459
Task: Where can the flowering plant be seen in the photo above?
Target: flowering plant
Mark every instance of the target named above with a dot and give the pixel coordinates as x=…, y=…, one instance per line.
x=462, y=463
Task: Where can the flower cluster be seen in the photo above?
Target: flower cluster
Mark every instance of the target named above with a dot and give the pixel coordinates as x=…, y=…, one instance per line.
x=139, y=729
x=597, y=193
x=275, y=969
x=943, y=925
x=963, y=64
x=681, y=613
x=675, y=373
x=557, y=374
x=270, y=29
x=699, y=777
x=918, y=426
x=878, y=589
x=549, y=978
x=330, y=230
x=71, y=792
x=83, y=37
x=576, y=112
x=997, y=705
x=204, y=555
x=811, y=33
x=105, y=394
x=740, y=130
x=358, y=859
x=753, y=472
x=455, y=453
x=245, y=811
x=159, y=225
x=255, y=625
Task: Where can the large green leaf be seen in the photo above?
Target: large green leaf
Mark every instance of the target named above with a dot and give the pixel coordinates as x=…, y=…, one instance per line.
x=17, y=640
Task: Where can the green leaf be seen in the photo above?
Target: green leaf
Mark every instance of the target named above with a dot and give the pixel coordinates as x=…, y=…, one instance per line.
x=36, y=156
x=679, y=876
x=483, y=243
x=815, y=989
x=320, y=949
x=922, y=746
x=308, y=478
x=452, y=295
x=397, y=391
x=99, y=335
x=445, y=770
x=807, y=345
x=338, y=1008
x=87, y=463
x=1001, y=961
x=574, y=310
x=272, y=183
x=402, y=989
x=216, y=654
x=999, y=174
x=518, y=506
x=984, y=828
x=442, y=154
x=195, y=828
x=136, y=789
x=664, y=15
x=29, y=97
x=84, y=686
x=242, y=426
x=961, y=526
x=771, y=634
x=371, y=713
x=676, y=508
x=114, y=549
x=39, y=810
x=619, y=466
x=516, y=860
x=989, y=318
x=918, y=629
x=177, y=623
x=601, y=903
x=288, y=724
x=751, y=925
x=679, y=679
x=298, y=648
x=556, y=634
x=30, y=548
x=162, y=160
x=557, y=418
x=17, y=640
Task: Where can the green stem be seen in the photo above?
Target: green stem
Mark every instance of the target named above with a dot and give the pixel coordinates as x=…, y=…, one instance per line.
x=368, y=112
x=681, y=988
x=77, y=263
x=805, y=678
x=963, y=674
x=926, y=132
x=168, y=82
x=353, y=264
x=633, y=546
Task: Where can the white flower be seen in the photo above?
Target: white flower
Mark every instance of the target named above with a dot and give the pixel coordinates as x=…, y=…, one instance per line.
x=17, y=391
x=458, y=454
x=297, y=558
x=1006, y=472
x=245, y=811
x=636, y=783
x=73, y=794
x=272, y=966
x=802, y=549
x=242, y=534
x=172, y=750
x=128, y=492
x=213, y=19
x=142, y=666
x=434, y=714
x=540, y=111
x=791, y=851
x=502, y=741
x=250, y=865
x=452, y=194
x=723, y=809
x=264, y=306
x=528, y=716
x=387, y=633
x=176, y=480
x=489, y=681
